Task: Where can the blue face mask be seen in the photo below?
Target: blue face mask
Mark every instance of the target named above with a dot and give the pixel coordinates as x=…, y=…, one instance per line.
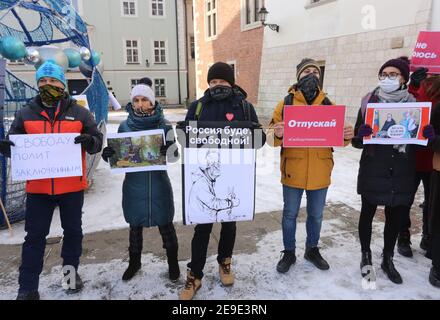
x=388, y=85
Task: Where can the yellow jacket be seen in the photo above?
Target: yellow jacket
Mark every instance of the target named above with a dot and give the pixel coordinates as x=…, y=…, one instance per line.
x=303, y=168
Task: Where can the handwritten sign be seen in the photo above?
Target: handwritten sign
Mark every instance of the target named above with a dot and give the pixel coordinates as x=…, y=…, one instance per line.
x=43, y=156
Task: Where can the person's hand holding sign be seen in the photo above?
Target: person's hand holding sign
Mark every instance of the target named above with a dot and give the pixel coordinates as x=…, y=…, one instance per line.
x=348, y=132
x=365, y=130
x=279, y=130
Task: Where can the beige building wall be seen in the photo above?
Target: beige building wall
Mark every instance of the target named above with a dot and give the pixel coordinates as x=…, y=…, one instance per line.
x=334, y=34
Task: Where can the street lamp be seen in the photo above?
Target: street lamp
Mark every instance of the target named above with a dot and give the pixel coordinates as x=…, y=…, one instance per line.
x=263, y=15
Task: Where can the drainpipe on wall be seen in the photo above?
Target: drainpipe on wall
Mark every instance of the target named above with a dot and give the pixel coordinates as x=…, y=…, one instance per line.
x=178, y=53
x=186, y=54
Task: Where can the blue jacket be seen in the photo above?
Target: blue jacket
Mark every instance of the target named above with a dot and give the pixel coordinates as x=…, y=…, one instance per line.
x=147, y=197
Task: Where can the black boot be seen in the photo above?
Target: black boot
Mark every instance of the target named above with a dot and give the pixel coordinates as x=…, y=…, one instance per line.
x=288, y=259
x=313, y=255
x=366, y=263
x=404, y=244
x=171, y=245
x=72, y=288
x=34, y=295
x=425, y=242
x=173, y=264
x=134, y=265
x=388, y=267
x=434, y=277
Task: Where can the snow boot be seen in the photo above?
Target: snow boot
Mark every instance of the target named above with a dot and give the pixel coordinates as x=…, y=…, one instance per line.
x=173, y=264
x=389, y=269
x=34, y=295
x=226, y=274
x=313, y=255
x=134, y=265
x=404, y=244
x=366, y=263
x=192, y=285
x=79, y=285
x=288, y=259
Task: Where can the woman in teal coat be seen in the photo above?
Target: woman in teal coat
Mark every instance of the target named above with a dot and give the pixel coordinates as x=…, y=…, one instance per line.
x=147, y=197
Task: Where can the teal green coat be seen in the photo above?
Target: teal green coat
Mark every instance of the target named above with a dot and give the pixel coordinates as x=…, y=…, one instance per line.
x=147, y=197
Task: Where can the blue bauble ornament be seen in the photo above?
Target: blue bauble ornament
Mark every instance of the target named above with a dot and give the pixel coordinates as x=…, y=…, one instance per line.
x=12, y=48
x=74, y=57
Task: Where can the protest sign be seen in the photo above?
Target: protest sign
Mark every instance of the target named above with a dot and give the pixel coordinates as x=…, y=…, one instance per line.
x=427, y=52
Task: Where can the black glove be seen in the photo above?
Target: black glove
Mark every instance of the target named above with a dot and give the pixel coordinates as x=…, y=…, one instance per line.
x=107, y=153
x=418, y=76
x=86, y=140
x=5, y=147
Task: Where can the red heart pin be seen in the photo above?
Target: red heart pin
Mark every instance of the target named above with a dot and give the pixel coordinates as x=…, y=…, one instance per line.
x=230, y=116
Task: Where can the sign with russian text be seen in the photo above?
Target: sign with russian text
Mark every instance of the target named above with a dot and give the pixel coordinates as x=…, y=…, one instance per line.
x=219, y=161
x=314, y=126
x=44, y=156
x=427, y=52
x=398, y=123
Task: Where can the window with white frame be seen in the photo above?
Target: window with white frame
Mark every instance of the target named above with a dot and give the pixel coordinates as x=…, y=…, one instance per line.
x=250, y=9
x=211, y=18
x=233, y=65
x=160, y=88
x=129, y=8
x=160, y=52
x=158, y=8
x=192, y=46
x=132, y=51
x=18, y=90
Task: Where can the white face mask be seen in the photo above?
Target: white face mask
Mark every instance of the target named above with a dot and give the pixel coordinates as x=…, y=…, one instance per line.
x=389, y=85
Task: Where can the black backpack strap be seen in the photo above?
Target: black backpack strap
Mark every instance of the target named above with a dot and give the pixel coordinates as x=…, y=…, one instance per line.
x=246, y=110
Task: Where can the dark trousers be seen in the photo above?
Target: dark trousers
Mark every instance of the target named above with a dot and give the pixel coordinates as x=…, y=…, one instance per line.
x=39, y=212
x=425, y=178
x=167, y=232
x=200, y=241
x=393, y=217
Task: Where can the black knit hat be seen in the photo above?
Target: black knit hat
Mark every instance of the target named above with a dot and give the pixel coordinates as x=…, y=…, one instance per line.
x=304, y=64
x=401, y=63
x=147, y=81
x=221, y=70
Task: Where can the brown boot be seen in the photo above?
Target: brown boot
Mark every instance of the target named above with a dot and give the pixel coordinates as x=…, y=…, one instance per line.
x=226, y=274
x=192, y=285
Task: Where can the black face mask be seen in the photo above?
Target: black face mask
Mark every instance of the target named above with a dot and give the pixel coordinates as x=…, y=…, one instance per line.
x=309, y=86
x=220, y=92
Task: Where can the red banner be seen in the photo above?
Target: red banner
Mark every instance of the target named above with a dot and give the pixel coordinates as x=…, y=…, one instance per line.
x=427, y=52
x=314, y=126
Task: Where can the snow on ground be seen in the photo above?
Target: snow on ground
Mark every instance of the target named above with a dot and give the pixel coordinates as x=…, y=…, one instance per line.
x=256, y=277
x=103, y=210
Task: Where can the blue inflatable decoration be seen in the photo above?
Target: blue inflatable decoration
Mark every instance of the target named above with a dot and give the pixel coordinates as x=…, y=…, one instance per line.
x=95, y=59
x=56, y=26
x=74, y=57
x=12, y=48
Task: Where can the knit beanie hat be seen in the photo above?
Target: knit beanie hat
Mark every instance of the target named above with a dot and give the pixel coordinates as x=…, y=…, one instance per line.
x=402, y=63
x=304, y=64
x=143, y=91
x=51, y=70
x=221, y=70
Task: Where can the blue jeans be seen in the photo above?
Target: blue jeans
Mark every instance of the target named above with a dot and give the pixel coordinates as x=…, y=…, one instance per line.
x=315, y=207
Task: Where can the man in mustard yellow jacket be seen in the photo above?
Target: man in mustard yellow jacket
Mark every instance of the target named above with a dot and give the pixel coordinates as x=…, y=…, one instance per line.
x=304, y=169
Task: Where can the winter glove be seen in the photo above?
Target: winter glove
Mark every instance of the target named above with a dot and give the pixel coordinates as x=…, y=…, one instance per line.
x=364, y=131
x=107, y=153
x=86, y=140
x=418, y=76
x=429, y=132
x=5, y=147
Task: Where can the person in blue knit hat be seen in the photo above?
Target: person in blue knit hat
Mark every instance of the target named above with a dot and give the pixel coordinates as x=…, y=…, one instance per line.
x=53, y=111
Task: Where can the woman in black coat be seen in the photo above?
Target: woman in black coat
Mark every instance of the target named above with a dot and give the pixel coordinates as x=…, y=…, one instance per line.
x=386, y=172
